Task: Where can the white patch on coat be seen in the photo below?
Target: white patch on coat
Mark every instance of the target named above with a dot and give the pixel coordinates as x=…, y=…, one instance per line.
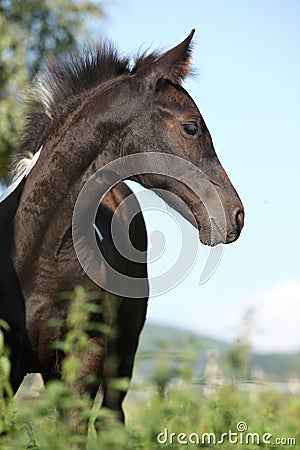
x=98, y=232
x=26, y=164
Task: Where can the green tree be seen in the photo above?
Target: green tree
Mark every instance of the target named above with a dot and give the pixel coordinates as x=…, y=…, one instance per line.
x=29, y=30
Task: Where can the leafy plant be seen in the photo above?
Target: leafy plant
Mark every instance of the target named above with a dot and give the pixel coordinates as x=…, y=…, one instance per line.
x=47, y=423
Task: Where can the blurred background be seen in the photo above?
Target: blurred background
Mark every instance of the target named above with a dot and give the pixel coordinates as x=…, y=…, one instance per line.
x=247, y=88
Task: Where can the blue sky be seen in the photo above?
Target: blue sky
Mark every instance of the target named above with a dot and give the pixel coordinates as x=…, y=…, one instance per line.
x=247, y=55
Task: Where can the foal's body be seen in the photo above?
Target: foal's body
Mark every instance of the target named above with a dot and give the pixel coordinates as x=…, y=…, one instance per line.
x=88, y=112
x=58, y=270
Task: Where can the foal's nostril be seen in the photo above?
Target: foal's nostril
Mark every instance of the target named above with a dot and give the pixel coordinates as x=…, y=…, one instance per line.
x=238, y=216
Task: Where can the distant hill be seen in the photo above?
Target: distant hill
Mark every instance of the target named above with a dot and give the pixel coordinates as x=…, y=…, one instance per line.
x=173, y=345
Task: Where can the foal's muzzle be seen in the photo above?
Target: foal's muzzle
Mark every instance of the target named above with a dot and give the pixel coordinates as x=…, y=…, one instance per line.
x=237, y=219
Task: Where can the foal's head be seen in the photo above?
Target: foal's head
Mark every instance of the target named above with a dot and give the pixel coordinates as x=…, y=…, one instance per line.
x=164, y=118
x=96, y=108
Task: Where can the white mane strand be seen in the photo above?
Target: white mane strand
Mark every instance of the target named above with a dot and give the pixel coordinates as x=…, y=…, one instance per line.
x=21, y=170
x=20, y=165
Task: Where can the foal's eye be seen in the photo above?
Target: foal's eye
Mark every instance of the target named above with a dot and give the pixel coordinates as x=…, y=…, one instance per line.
x=190, y=128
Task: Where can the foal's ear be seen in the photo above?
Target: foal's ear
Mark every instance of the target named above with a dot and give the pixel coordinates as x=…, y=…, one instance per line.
x=172, y=65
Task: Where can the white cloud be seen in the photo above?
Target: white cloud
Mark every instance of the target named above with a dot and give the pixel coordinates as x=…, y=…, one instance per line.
x=276, y=314
x=277, y=317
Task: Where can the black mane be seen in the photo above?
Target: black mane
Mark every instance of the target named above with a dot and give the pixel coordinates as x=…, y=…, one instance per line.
x=63, y=83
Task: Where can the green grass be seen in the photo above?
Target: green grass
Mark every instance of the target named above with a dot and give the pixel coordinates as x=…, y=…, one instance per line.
x=177, y=411
x=186, y=410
